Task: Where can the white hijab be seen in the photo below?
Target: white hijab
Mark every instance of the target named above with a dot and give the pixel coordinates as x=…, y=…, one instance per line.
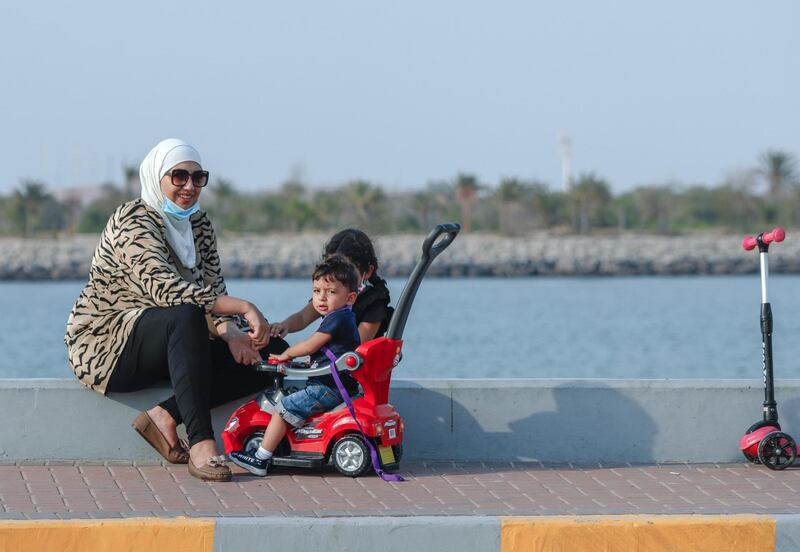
x=156, y=164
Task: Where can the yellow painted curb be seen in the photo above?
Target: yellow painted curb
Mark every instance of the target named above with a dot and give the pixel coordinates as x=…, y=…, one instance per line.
x=638, y=534
x=119, y=535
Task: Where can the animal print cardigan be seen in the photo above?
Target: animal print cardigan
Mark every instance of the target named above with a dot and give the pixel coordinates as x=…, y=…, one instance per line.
x=133, y=270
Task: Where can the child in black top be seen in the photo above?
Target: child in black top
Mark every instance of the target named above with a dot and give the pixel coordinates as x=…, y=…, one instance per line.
x=335, y=281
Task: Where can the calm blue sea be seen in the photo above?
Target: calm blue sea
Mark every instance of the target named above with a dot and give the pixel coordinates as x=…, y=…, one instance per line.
x=645, y=327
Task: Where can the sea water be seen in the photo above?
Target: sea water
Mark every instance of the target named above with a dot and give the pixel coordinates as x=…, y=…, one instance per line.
x=631, y=327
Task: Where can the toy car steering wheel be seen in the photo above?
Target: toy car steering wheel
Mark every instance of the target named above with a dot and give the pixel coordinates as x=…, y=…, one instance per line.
x=279, y=366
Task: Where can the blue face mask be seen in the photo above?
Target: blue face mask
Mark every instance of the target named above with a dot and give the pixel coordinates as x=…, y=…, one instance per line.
x=173, y=210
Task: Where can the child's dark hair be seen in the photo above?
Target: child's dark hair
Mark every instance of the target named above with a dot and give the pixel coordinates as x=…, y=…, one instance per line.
x=339, y=268
x=356, y=246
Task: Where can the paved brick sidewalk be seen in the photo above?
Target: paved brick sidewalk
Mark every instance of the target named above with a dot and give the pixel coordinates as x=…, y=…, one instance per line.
x=431, y=488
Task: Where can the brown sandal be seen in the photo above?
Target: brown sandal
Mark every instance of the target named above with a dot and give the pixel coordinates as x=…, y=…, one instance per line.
x=144, y=426
x=215, y=469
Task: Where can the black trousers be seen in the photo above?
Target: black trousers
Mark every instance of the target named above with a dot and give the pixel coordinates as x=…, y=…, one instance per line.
x=171, y=343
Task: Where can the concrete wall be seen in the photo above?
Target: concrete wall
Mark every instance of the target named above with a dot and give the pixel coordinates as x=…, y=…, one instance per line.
x=583, y=421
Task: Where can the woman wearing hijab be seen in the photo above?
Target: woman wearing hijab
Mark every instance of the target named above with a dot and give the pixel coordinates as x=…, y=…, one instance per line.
x=156, y=308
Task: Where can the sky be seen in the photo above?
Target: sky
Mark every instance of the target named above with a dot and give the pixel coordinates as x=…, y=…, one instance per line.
x=400, y=93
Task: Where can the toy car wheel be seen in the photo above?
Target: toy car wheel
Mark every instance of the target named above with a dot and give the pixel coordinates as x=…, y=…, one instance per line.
x=777, y=450
x=350, y=456
x=253, y=441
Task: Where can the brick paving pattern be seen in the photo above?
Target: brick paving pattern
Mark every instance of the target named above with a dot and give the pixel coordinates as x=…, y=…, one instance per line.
x=113, y=490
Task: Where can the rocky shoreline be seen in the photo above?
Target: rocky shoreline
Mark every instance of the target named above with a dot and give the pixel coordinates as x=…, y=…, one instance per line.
x=290, y=256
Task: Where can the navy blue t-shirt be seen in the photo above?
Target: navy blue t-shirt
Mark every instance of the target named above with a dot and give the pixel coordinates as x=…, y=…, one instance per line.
x=341, y=325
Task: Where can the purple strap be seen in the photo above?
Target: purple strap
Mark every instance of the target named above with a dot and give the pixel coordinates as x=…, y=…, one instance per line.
x=376, y=465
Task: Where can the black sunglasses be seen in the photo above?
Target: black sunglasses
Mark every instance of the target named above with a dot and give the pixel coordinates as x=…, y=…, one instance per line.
x=181, y=176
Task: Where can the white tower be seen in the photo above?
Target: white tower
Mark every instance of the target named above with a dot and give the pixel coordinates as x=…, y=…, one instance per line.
x=566, y=158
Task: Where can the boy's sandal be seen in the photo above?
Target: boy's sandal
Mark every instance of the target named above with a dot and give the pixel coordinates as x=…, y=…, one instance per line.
x=146, y=427
x=215, y=469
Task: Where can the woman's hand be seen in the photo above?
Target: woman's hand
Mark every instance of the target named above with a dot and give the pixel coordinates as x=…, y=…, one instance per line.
x=241, y=347
x=259, y=327
x=278, y=329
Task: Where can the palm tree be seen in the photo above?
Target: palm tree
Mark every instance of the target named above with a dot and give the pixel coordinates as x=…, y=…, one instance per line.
x=425, y=205
x=510, y=194
x=466, y=194
x=72, y=201
x=296, y=212
x=30, y=200
x=366, y=201
x=225, y=196
x=655, y=204
x=779, y=168
x=589, y=196
x=131, y=175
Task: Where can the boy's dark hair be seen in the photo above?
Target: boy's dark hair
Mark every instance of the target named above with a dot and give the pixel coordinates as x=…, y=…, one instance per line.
x=356, y=246
x=339, y=268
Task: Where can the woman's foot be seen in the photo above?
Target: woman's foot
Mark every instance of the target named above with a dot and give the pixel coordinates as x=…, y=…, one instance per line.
x=206, y=464
x=165, y=424
x=148, y=429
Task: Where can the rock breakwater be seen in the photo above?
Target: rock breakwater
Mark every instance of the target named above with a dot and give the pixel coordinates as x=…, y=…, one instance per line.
x=290, y=256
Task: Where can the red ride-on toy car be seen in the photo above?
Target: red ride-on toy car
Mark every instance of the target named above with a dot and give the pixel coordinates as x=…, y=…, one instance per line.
x=334, y=436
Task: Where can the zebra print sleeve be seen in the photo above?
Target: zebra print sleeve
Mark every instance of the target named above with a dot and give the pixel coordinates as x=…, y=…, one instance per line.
x=141, y=247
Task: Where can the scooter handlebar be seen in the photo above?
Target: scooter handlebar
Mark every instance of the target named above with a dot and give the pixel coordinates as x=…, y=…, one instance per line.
x=777, y=235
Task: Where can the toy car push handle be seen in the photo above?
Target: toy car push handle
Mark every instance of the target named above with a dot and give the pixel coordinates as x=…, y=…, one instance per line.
x=777, y=235
x=430, y=250
x=431, y=247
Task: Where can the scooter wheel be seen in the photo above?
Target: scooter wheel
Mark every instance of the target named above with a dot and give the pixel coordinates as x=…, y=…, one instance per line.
x=350, y=456
x=762, y=423
x=777, y=450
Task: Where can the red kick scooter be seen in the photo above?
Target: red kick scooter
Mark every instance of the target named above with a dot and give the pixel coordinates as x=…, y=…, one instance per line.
x=764, y=441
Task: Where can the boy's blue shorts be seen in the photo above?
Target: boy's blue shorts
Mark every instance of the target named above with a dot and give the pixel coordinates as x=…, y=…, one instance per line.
x=315, y=398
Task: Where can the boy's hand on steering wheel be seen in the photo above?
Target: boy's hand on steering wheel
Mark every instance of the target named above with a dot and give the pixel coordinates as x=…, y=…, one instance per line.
x=283, y=357
x=278, y=329
x=259, y=327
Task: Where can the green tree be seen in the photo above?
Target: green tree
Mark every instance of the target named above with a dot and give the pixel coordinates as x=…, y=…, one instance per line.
x=654, y=205
x=589, y=196
x=779, y=169
x=511, y=195
x=427, y=205
x=224, y=205
x=30, y=201
x=328, y=207
x=367, y=205
x=94, y=216
x=131, y=184
x=296, y=212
